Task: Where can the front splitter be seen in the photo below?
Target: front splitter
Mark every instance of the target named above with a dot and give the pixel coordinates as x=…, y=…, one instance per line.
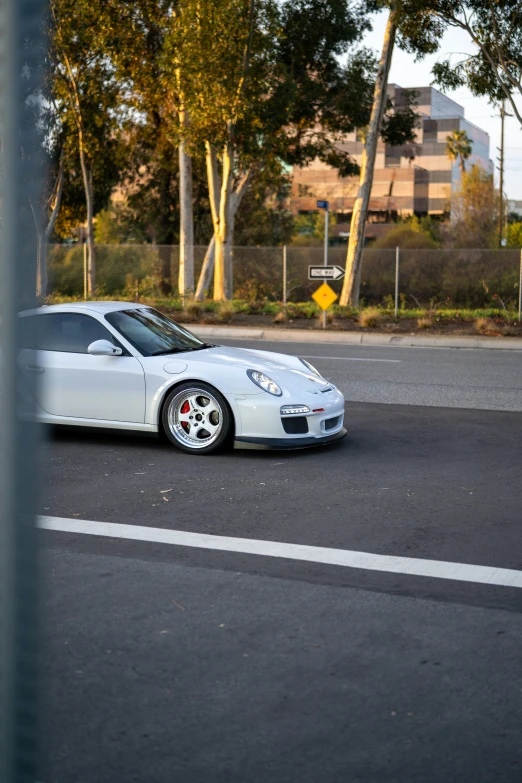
x=278, y=444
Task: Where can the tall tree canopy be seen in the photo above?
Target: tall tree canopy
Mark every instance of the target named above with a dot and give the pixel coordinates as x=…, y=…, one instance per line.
x=247, y=87
x=262, y=81
x=494, y=66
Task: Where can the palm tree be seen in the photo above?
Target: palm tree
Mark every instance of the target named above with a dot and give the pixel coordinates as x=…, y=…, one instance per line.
x=458, y=147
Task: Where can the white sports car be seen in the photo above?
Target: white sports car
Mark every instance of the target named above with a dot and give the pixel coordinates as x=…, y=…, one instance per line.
x=122, y=365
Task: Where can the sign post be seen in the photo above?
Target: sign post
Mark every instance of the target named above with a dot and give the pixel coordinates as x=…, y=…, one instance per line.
x=325, y=205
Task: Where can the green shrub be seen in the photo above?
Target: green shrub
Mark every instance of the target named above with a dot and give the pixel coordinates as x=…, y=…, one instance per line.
x=117, y=269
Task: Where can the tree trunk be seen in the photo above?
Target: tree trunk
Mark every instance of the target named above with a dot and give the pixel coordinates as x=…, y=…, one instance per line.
x=224, y=203
x=40, y=262
x=208, y=264
x=351, y=284
x=186, y=223
x=216, y=193
x=219, y=269
x=74, y=96
x=164, y=234
x=207, y=270
x=42, y=236
x=42, y=269
x=89, y=201
x=222, y=262
x=229, y=247
x=91, y=250
x=55, y=209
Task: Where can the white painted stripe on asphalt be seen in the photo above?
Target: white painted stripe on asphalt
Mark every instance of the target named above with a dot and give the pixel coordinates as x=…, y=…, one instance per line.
x=351, y=359
x=438, y=569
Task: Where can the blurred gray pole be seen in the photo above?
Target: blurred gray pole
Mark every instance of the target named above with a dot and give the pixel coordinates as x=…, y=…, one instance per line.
x=284, y=277
x=520, y=290
x=325, y=249
x=397, y=255
x=20, y=28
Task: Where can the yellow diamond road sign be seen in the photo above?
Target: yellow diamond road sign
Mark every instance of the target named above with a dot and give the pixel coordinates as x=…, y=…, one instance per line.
x=324, y=296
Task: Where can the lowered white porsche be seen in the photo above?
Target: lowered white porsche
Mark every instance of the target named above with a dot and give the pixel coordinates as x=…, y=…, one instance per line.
x=127, y=366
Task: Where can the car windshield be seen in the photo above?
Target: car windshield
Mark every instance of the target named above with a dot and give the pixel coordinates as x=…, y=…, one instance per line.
x=152, y=333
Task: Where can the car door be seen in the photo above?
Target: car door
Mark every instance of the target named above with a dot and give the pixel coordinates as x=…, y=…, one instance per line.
x=76, y=384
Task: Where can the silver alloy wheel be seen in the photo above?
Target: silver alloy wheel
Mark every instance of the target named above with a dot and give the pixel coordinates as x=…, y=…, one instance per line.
x=195, y=418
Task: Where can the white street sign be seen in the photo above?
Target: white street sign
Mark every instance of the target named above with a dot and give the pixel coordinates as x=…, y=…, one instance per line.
x=325, y=272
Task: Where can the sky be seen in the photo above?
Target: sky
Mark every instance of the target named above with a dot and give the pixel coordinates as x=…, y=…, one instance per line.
x=407, y=73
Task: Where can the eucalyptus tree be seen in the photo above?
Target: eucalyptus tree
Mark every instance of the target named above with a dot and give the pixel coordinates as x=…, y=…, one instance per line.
x=86, y=97
x=416, y=31
x=263, y=82
x=137, y=43
x=493, y=68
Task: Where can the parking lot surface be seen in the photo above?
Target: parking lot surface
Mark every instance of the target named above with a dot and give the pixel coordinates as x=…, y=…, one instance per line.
x=186, y=663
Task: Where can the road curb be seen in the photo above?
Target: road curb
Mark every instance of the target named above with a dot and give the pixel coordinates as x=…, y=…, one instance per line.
x=354, y=338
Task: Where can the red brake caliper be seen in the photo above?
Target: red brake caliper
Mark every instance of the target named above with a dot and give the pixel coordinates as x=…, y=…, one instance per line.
x=185, y=409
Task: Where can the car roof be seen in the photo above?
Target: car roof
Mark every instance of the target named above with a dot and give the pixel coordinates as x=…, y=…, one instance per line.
x=99, y=307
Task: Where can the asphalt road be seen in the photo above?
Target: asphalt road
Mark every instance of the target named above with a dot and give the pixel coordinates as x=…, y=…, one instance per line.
x=171, y=663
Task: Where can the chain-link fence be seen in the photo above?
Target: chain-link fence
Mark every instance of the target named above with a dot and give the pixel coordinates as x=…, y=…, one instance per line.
x=462, y=278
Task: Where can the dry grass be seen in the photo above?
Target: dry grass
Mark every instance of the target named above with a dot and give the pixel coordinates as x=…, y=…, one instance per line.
x=370, y=318
x=484, y=325
x=424, y=323
x=194, y=309
x=329, y=318
x=281, y=317
x=225, y=313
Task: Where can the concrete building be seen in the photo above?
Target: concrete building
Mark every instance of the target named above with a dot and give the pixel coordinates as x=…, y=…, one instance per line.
x=416, y=178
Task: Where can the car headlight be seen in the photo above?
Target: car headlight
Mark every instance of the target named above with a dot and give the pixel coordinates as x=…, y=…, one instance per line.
x=310, y=367
x=264, y=382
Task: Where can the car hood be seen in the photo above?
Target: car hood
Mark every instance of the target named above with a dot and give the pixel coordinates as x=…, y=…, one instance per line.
x=287, y=371
x=232, y=363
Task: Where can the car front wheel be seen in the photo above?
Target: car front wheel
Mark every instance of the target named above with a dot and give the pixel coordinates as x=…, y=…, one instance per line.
x=196, y=418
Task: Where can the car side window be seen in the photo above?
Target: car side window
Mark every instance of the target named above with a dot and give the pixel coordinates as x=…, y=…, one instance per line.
x=69, y=332
x=28, y=330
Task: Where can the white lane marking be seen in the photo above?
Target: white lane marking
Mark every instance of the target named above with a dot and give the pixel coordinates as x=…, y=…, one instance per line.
x=351, y=358
x=439, y=569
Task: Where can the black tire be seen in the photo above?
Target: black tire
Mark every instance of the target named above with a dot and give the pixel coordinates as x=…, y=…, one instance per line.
x=196, y=418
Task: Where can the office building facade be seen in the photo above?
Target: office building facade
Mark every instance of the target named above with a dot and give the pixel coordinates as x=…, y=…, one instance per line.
x=414, y=179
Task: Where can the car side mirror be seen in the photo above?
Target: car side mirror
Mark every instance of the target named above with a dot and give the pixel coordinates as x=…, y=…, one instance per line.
x=104, y=348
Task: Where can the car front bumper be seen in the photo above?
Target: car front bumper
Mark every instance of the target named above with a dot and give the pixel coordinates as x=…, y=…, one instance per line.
x=303, y=442
x=259, y=423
